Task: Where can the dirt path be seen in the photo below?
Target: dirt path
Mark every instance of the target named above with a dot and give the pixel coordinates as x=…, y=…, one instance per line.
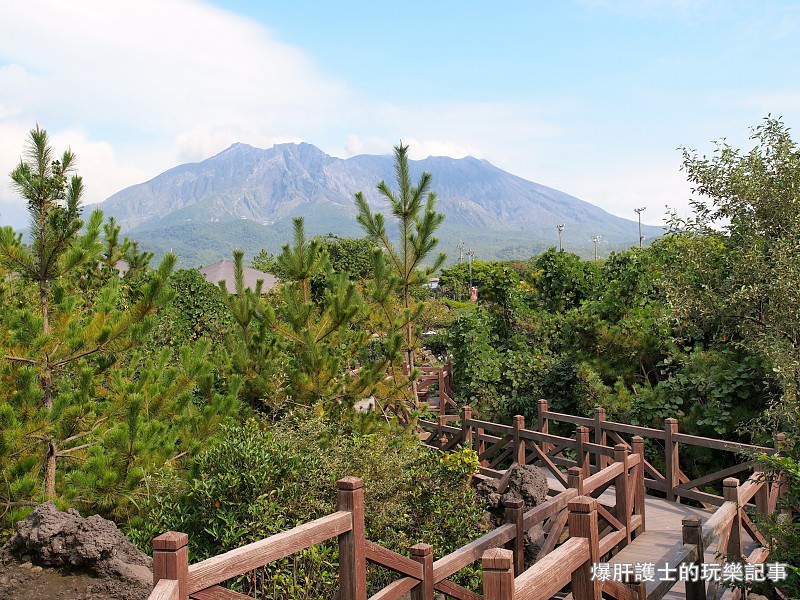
x=23, y=581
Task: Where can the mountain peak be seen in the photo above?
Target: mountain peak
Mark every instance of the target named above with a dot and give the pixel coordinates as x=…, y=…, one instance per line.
x=502, y=215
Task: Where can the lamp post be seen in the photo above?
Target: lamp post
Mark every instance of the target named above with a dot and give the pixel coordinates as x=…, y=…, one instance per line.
x=470, y=257
x=560, y=228
x=638, y=212
x=595, y=239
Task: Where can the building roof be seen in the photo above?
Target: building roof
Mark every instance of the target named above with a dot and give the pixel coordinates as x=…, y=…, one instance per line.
x=222, y=270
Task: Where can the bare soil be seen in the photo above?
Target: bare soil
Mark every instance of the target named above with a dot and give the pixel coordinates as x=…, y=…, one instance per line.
x=24, y=581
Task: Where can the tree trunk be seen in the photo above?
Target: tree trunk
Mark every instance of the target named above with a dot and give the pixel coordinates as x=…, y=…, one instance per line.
x=50, y=471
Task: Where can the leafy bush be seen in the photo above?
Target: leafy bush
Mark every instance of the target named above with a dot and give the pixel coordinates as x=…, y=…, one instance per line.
x=257, y=480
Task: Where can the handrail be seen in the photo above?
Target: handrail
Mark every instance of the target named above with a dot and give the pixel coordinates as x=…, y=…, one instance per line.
x=165, y=589
x=240, y=560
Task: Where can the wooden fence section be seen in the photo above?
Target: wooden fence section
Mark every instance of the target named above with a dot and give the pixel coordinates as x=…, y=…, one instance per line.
x=591, y=447
x=435, y=388
x=723, y=532
x=176, y=579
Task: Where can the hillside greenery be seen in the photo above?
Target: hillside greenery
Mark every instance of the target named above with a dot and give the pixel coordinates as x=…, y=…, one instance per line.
x=150, y=396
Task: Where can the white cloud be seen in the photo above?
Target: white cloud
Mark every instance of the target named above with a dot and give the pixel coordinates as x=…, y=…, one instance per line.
x=164, y=81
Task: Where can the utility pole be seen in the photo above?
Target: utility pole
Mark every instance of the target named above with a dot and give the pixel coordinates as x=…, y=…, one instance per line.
x=471, y=256
x=595, y=239
x=638, y=212
x=560, y=228
x=460, y=247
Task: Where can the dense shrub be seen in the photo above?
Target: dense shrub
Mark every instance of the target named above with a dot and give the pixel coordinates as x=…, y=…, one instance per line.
x=258, y=480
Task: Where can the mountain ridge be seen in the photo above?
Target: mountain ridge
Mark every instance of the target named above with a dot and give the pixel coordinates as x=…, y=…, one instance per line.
x=499, y=214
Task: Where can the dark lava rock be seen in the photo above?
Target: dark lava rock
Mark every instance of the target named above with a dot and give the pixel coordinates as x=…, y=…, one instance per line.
x=52, y=538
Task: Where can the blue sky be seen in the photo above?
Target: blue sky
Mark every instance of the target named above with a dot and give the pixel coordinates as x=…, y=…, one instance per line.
x=592, y=97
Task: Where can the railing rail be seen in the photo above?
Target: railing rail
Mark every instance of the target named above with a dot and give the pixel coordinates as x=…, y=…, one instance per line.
x=592, y=447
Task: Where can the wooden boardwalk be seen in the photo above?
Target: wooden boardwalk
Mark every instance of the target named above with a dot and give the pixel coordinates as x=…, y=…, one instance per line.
x=645, y=522
x=663, y=534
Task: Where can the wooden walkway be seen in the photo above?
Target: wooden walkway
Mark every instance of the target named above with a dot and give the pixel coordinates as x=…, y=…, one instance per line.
x=662, y=535
x=649, y=521
x=599, y=511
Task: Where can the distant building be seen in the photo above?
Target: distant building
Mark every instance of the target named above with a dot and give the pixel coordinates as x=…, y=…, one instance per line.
x=223, y=270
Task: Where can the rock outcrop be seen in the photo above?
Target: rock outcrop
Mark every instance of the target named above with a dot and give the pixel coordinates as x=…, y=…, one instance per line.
x=65, y=540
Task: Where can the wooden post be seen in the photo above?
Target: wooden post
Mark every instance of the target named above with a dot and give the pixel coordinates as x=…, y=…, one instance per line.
x=575, y=479
x=171, y=560
x=693, y=534
x=779, y=440
x=671, y=462
x=622, y=486
x=352, y=547
x=442, y=434
x=582, y=456
x=544, y=425
x=442, y=392
x=498, y=574
x=482, y=447
x=600, y=435
x=639, y=491
x=423, y=554
x=583, y=523
x=730, y=492
x=515, y=511
x=519, y=443
x=762, y=495
x=466, y=429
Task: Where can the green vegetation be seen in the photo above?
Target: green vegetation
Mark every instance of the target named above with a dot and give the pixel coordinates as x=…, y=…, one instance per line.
x=162, y=401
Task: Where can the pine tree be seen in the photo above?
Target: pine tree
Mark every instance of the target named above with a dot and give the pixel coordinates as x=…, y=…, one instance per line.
x=324, y=334
x=414, y=207
x=73, y=385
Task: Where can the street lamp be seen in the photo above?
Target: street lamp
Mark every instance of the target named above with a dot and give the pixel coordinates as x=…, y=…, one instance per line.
x=560, y=228
x=595, y=239
x=638, y=212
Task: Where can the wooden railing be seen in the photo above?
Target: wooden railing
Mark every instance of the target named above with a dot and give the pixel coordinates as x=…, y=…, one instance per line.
x=592, y=446
x=435, y=388
x=176, y=579
x=723, y=530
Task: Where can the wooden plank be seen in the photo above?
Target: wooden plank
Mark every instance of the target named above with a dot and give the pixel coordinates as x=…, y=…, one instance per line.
x=165, y=589
x=498, y=445
x=684, y=492
x=549, y=464
x=554, y=535
x=718, y=475
x=752, y=530
x=653, y=472
x=565, y=418
x=592, y=482
x=216, y=592
x=466, y=555
x=609, y=542
x=392, y=560
x=620, y=591
x=548, y=509
x=395, y=590
x=538, y=436
x=696, y=440
x=751, y=486
x=718, y=523
x=501, y=457
x=489, y=426
x=493, y=473
x=599, y=450
x=456, y=591
x=553, y=572
x=645, y=432
x=602, y=511
x=235, y=562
